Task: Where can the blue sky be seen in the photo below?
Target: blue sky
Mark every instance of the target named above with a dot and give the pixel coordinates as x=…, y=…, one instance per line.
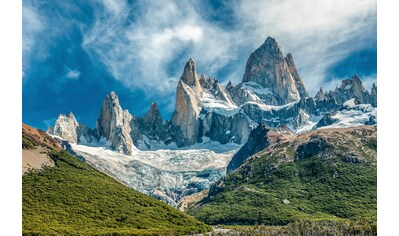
x=75, y=52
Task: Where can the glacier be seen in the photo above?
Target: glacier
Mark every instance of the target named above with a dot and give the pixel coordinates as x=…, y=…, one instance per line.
x=166, y=174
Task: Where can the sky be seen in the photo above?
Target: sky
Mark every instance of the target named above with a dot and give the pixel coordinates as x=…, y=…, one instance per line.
x=75, y=52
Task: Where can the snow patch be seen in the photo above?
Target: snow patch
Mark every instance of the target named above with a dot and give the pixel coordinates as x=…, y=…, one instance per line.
x=210, y=103
x=256, y=88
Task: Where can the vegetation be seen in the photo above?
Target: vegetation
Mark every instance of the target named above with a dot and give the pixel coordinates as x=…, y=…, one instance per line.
x=336, y=182
x=338, y=228
x=73, y=198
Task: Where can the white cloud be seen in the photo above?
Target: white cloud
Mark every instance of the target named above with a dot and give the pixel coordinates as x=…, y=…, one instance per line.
x=32, y=25
x=149, y=52
x=114, y=6
x=312, y=30
x=72, y=74
x=142, y=54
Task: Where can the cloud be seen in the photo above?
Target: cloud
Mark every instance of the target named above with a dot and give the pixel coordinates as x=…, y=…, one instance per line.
x=318, y=33
x=145, y=45
x=149, y=53
x=72, y=74
x=32, y=25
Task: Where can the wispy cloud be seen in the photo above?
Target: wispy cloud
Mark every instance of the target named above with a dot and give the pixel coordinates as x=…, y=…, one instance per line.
x=32, y=25
x=73, y=74
x=318, y=33
x=148, y=50
x=145, y=44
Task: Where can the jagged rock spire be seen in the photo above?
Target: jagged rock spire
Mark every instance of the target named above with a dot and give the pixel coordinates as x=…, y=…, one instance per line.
x=66, y=127
x=153, y=115
x=320, y=94
x=268, y=67
x=113, y=123
x=298, y=81
x=190, y=76
x=188, y=104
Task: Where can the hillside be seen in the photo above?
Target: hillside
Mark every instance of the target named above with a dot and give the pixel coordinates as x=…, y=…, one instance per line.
x=328, y=174
x=74, y=198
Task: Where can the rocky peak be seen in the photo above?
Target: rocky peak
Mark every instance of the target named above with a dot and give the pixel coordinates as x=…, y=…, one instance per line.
x=188, y=105
x=298, y=81
x=207, y=83
x=349, y=89
x=153, y=115
x=373, y=95
x=71, y=116
x=66, y=127
x=114, y=124
x=268, y=67
x=374, y=89
x=354, y=83
x=320, y=94
x=229, y=86
x=190, y=76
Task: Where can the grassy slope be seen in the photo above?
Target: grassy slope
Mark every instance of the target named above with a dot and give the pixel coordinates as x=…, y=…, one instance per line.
x=74, y=198
x=319, y=187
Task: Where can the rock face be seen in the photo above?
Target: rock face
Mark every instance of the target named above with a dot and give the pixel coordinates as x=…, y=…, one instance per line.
x=268, y=67
x=188, y=105
x=320, y=95
x=152, y=124
x=114, y=124
x=68, y=128
x=260, y=138
x=271, y=93
x=298, y=81
x=351, y=88
x=151, y=128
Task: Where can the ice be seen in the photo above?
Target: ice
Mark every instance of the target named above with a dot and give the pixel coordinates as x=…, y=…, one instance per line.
x=165, y=173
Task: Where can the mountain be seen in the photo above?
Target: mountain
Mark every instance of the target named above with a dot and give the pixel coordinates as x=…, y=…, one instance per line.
x=259, y=139
x=268, y=68
x=351, y=88
x=188, y=105
x=328, y=174
x=271, y=92
x=71, y=198
x=68, y=128
x=210, y=123
x=113, y=124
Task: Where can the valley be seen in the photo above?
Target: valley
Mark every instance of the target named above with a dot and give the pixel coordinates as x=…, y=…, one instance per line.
x=261, y=152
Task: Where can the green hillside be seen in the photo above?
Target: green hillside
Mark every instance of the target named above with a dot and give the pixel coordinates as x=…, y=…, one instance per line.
x=320, y=175
x=73, y=198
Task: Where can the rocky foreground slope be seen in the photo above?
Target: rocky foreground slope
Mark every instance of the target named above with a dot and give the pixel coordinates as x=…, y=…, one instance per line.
x=72, y=198
x=328, y=174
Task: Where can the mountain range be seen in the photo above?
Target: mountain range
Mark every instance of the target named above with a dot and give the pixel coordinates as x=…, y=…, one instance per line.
x=259, y=152
x=271, y=93
x=213, y=128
